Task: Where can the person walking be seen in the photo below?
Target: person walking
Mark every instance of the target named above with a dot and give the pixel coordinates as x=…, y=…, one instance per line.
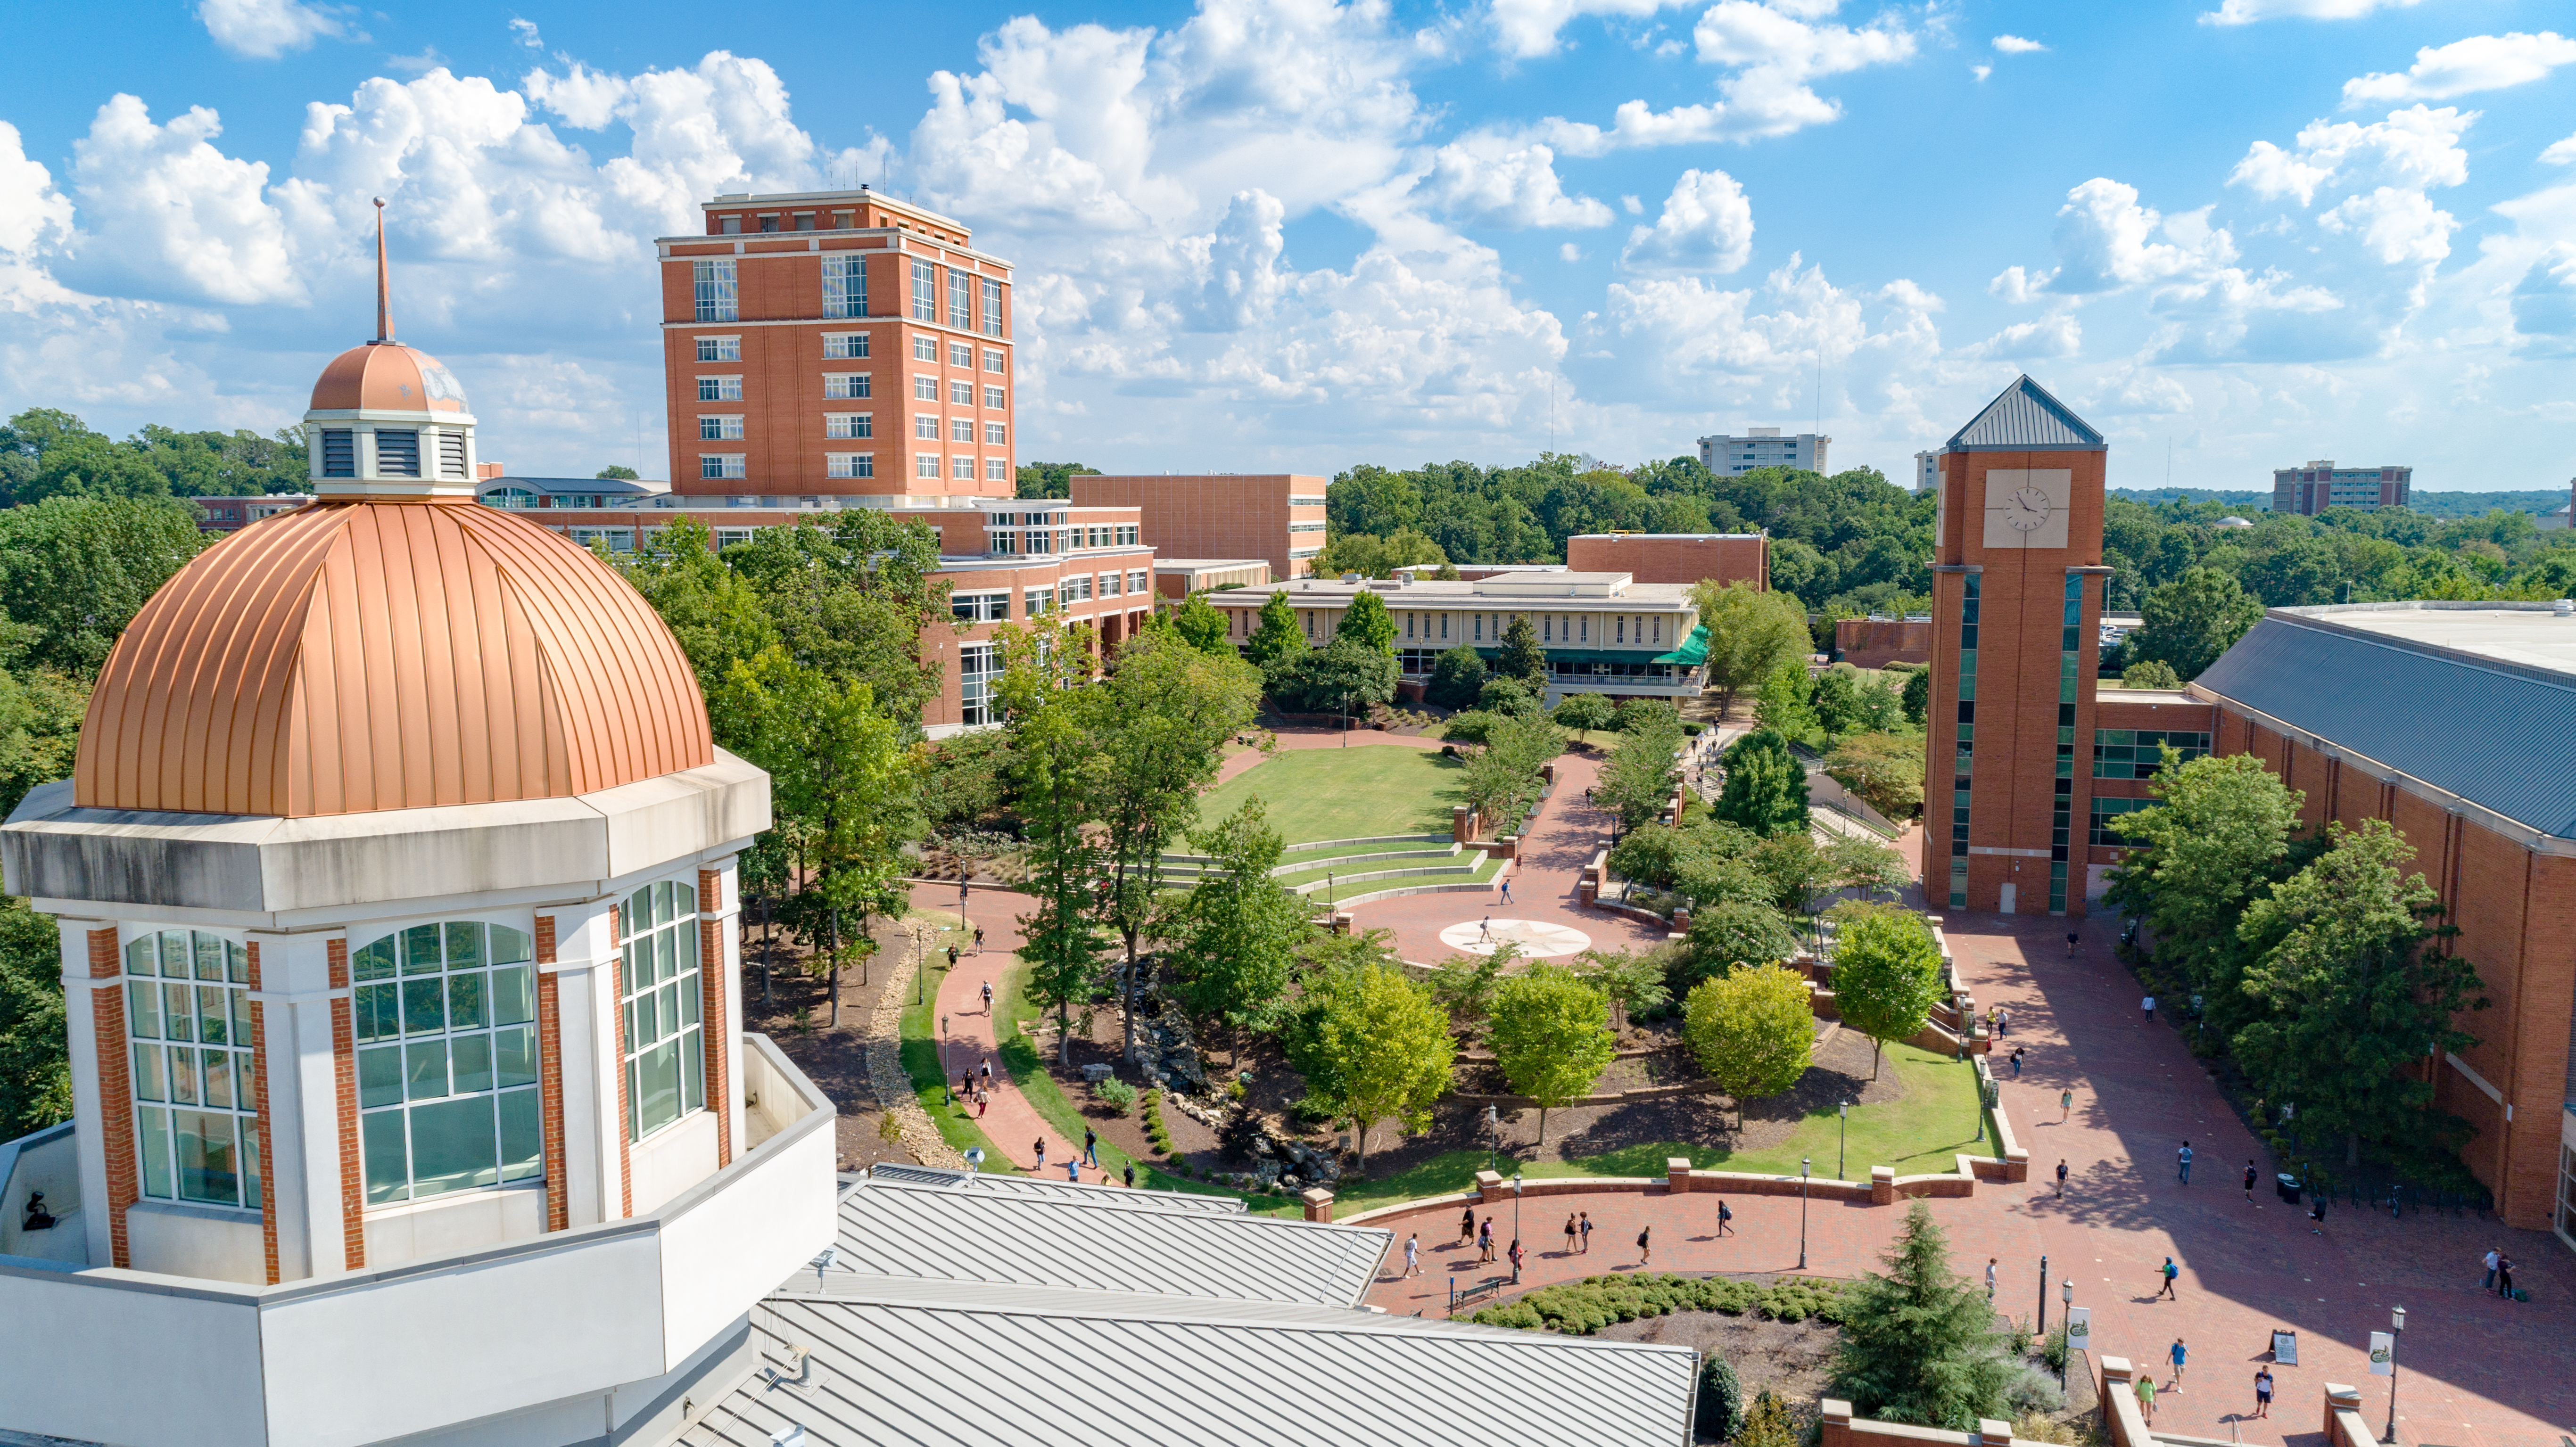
x=1073, y=1170
x=952, y=957
x=1990, y=1278
x=979, y=939
x=1507, y=889
x=2263, y=1391
x=1130, y=1174
x=2504, y=1277
x=1485, y=1240
x=1725, y=1219
x=2149, y=1005
x=2493, y=1256
x=2317, y=1213
x=2016, y=1062
x=2003, y=1022
x=1586, y=1224
x=1569, y=1233
x=1485, y=930
x=988, y=997
x=1413, y=1255
x=2147, y=1396
x=1467, y=1225
x=987, y=1070
x=1514, y=1255
x=1645, y=1245
x=983, y=1101
x=2061, y=1179
x=2184, y=1156
x=2171, y=1272
x=1041, y=1153
x=2065, y=1105
x=2249, y=1178
x=1090, y=1146
x=2072, y=939
x=2176, y=1352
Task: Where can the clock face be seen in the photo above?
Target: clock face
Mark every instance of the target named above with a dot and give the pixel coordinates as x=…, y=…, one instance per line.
x=2026, y=509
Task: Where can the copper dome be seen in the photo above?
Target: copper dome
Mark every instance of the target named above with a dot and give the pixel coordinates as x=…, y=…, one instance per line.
x=348, y=657
x=387, y=377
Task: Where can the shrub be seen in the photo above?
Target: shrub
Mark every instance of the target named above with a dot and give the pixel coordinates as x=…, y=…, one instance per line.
x=1471, y=727
x=1581, y=1307
x=1116, y=1094
x=1721, y=1399
x=1457, y=677
x=2031, y=1390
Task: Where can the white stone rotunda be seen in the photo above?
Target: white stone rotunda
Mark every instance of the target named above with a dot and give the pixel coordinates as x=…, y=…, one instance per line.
x=397, y=893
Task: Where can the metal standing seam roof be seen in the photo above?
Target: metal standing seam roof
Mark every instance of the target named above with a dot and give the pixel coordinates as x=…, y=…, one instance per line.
x=933, y=1233
x=2483, y=730
x=898, y=1173
x=948, y=1364
x=2025, y=417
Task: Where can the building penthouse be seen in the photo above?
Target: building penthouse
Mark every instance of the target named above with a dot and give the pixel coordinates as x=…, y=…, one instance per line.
x=2314, y=486
x=1603, y=632
x=836, y=342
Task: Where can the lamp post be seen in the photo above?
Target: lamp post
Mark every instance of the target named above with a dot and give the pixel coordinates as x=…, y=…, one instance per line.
x=1842, y=1139
x=1802, y=1213
x=1516, y=1233
x=2066, y=1297
x=2396, y=1329
x=2043, y=1296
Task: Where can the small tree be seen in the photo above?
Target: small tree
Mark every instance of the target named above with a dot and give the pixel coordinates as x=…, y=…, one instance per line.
x=1887, y=973
x=1732, y=936
x=1550, y=1035
x=2151, y=673
x=1633, y=983
x=1464, y=985
x=1240, y=928
x=1505, y=694
x=1639, y=779
x=1584, y=712
x=1767, y=1424
x=1751, y=632
x=1917, y=697
x=1919, y=1343
x=1752, y=1030
x=1368, y=622
x=1277, y=638
x=1721, y=1399
x=1522, y=658
x=1372, y=1045
x=1885, y=770
x=1457, y=678
x=1201, y=624
x=1766, y=785
x=1865, y=864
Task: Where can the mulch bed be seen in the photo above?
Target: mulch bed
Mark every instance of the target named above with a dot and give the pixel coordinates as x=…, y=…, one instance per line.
x=797, y=1016
x=1788, y=1359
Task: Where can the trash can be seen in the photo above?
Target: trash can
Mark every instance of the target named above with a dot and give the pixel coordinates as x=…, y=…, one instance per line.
x=2288, y=1187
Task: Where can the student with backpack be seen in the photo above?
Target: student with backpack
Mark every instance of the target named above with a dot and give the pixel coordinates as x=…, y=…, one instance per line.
x=2171, y=1272
x=1646, y=1250
x=1725, y=1220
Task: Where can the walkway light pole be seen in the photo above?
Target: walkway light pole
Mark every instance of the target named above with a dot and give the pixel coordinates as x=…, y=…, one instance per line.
x=1802, y=1212
x=1841, y=1140
x=2396, y=1329
x=2043, y=1295
x=2066, y=1295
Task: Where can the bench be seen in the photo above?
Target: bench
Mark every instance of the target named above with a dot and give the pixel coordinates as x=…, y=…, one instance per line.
x=1485, y=1290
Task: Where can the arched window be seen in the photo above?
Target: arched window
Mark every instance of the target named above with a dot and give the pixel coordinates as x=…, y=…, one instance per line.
x=447, y=1059
x=658, y=994
x=187, y=1009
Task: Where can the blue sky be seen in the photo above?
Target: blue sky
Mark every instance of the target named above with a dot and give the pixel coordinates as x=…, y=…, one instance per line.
x=1259, y=234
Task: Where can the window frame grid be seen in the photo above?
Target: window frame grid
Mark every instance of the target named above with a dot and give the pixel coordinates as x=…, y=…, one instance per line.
x=211, y=989
x=421, y=1072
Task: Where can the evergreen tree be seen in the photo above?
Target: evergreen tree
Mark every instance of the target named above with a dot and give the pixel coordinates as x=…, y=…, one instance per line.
x=1766, y=785
x=1919, y=1343
x=1278, y=637
x=1917, y=698
x=1522, y=658
x=1721, y=1399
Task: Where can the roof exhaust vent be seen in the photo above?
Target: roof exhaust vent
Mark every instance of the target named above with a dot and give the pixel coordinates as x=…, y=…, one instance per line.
x=2564, y=607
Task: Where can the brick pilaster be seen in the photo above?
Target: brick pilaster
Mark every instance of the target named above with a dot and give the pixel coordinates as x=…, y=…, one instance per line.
x=259, y=1123
x=550, y=1078
x=715, y=1037
x=617, y=1063
x=115, y=1091
x=344, y=1068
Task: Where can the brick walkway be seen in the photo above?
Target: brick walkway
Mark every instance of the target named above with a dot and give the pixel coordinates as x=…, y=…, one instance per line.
x=2476, y=1372
x=1567, y=833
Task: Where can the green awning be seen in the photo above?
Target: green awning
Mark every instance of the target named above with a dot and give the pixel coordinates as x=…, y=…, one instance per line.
x=1692, y=653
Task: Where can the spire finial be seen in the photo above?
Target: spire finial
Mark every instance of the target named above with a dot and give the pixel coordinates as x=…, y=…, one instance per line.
x=384, y=294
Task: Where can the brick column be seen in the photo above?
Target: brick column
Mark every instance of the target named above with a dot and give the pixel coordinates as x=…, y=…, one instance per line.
x=259, y=1123
x=550, y=1078
x=716, y=1037
x=344, y=1071
x=115, y=1090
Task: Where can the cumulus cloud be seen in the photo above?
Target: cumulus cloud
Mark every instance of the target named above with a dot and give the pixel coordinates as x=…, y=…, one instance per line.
x=2397, y=225
x=1773, y=54
x=2416, y=147
x=2015, y=45
x=2246, y=12
x=165, y=215
x=265, y=29
x=1528, y=28
x=1981, y=72
x=2106, y=240
x=2463, y=67
x=1488, y=180
x=1706, y=226
x=32, y=212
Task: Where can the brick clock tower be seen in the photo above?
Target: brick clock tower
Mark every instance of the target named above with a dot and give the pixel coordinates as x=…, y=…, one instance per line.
x=2017, y=581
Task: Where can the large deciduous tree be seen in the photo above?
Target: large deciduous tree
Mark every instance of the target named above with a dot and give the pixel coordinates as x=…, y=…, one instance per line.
x=1766, y=785
x=1638, y=781
x=1372, y=1044
x=1884, y=769
x=1202, y=625
x=1239, y=930
x=1751, y=632
x=1368, y=622
x=1550, y=1035
x=1056, y=771
x=2220, y=833
x=2193, y=619
x=1752, y=1031
x=1887, y=973
x=75, y=570
x=1731, y=935
x=1583, y=712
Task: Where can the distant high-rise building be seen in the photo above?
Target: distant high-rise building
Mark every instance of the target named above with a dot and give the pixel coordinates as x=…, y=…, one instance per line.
x=1927, y=472
x=1728, y=456
x=2312, y=487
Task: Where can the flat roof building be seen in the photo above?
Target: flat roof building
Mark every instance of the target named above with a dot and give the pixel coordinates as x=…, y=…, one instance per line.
x=2312, y=487
x=1674, y=557
x=1729, y=456
x=1277, y=517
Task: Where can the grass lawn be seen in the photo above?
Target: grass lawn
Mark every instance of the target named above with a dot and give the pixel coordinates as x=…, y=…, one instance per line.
x=1020, y=1056
x=1347, y=793
x=1920, y=1134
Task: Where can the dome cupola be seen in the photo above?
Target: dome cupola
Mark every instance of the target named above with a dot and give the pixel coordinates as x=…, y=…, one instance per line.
x=387, y=420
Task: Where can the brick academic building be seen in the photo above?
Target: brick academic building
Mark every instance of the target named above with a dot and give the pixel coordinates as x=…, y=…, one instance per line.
x=2443, y=718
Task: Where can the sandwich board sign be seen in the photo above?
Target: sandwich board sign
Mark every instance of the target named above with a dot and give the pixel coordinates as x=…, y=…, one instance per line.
x=2285, y=1348
x=2079, y=1328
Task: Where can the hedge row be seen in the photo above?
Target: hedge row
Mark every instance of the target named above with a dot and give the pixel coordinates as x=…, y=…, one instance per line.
x=1586, y=1306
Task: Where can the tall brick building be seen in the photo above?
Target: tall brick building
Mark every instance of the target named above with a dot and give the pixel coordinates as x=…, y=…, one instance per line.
x=836, y=343
x=2016, y=610
x=1277, y=517
x=1674, y=557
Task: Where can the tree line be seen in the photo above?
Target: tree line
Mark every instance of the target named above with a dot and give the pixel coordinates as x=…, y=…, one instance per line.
x=45, y=452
